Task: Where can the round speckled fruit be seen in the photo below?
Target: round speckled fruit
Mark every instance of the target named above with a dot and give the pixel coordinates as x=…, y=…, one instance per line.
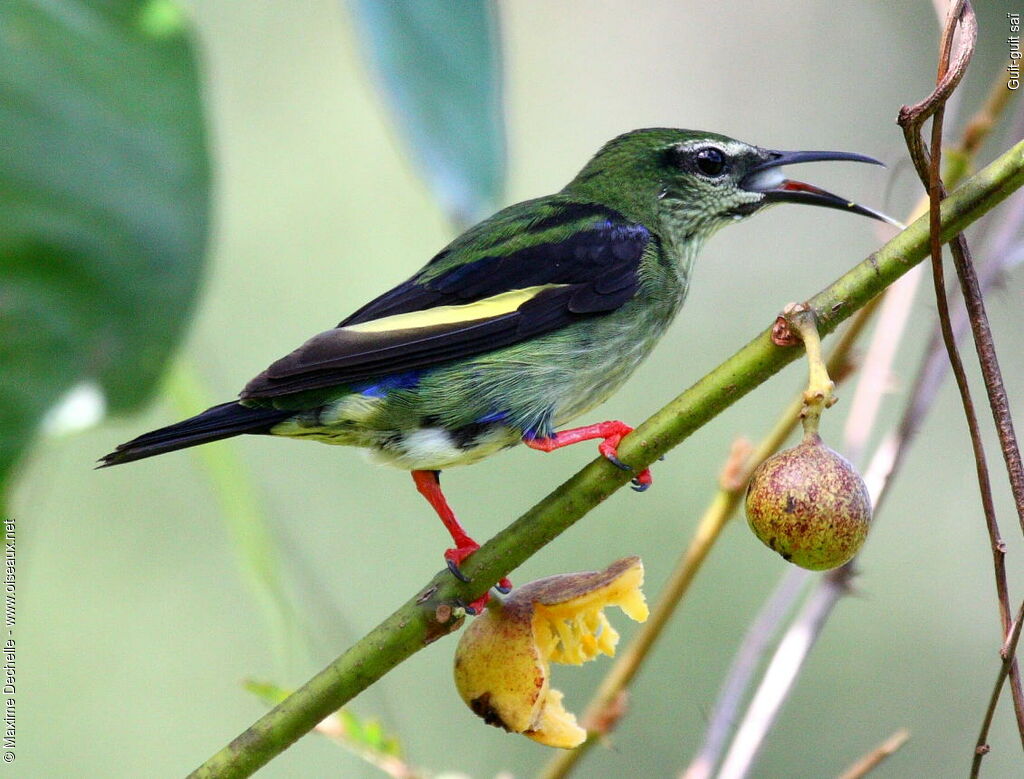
x=809, y=505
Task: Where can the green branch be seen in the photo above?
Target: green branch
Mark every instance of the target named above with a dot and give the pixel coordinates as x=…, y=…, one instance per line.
x=431, y=613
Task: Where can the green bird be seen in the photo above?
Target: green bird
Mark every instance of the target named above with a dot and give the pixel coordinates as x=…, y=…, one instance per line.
x=524, y=322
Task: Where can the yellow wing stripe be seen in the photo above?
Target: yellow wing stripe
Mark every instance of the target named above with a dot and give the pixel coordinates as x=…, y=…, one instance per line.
x=487, y=308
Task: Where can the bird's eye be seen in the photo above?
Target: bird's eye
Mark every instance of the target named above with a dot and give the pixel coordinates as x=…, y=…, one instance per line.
x=710, y=161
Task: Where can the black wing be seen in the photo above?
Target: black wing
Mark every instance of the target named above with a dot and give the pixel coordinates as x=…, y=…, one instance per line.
x=578, y=260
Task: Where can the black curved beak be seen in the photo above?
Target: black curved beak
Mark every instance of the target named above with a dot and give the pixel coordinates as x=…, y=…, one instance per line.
x=776, y=188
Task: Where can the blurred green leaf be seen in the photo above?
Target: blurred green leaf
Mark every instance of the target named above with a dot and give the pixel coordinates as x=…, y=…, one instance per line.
x=440, y=67
x=104, y=199
x=245, y=518
x=365, y=738
x=268, y=692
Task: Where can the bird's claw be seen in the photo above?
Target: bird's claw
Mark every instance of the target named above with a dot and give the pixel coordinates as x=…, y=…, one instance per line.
x=453, y=557
x=477, y=606
x=504, y=586
x=642, y=481
x=614, y=460
x=456, y=571
x=609, y=448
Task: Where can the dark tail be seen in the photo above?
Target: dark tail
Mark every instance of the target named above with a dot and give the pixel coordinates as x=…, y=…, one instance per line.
x=223, y=421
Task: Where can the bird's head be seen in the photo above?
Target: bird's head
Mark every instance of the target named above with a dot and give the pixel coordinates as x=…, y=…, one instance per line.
x=700, y=181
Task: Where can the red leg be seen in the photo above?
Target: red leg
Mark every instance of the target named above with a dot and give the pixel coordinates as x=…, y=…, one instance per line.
x=611, y=432
x=429, y=485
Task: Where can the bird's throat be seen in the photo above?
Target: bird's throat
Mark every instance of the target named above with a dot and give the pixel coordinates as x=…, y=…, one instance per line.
x=684, y=237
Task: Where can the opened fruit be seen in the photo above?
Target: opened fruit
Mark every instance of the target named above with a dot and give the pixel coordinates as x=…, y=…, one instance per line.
x=502, y=664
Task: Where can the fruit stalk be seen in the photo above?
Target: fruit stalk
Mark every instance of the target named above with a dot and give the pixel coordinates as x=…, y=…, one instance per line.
x=820, y=393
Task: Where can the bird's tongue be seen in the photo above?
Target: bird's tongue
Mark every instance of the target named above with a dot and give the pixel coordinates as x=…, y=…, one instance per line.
x=798, y=186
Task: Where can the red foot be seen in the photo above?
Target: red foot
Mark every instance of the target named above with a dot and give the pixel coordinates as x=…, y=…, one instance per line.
x=612, y=433
x=429, y=485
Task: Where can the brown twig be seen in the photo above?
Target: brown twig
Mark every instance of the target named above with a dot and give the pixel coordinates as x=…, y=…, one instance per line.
x=925, y=386
x=912, y=120
x=892, y=451
x=872, y=759
x=996, y=389
x=1008, y=652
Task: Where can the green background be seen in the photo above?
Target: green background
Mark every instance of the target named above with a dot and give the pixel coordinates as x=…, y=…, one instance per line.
x=134, y=625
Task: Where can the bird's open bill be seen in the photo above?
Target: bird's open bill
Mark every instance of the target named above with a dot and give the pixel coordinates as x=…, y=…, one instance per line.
x=768, y=179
